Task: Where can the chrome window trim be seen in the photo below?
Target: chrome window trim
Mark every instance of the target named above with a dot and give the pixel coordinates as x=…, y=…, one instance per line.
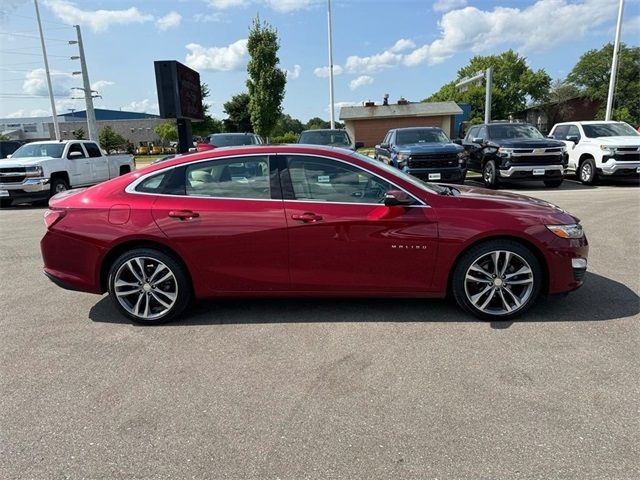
x=131, y=188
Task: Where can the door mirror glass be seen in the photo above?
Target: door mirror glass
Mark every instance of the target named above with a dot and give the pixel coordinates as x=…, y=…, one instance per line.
x=397, y=198
x=477, y=140
x=9, y=156
x=573, y=138
x=384, y=146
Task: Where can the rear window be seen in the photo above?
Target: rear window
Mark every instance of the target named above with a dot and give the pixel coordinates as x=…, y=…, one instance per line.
x=319, y=137
x=223, y=140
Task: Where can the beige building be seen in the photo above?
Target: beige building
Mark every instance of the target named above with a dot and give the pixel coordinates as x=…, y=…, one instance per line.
x=369, y=123
x=136, y=131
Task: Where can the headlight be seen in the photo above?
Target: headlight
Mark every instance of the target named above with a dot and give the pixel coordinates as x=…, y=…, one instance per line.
x=462, y=158
x=567, y=231
x=505, y=151
x=402, y=159
x=607, y=150
x=34, y=171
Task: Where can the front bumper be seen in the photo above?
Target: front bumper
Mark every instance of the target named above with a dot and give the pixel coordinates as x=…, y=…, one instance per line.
x=620, y=169
x=29, y=189
x=454, y=174
x=567, y=263
x=529, y=172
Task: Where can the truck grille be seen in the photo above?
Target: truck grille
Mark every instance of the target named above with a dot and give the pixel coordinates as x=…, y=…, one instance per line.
x=442, y=160
x=12, y=175
x=632, y=156
x=537, y=159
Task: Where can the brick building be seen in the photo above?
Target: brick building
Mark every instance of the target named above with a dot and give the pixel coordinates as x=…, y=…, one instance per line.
x=369, y=123
x=573, y=110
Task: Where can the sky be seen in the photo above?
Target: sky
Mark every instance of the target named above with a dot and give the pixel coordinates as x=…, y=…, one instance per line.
x=407, y=48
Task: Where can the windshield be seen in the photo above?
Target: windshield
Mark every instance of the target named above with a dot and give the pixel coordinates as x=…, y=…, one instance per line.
x=430, y=187
x=421, y=135
x=509, y=131
x=39, y=150
x=621, y=129
x=334, y=139
x=222, y=140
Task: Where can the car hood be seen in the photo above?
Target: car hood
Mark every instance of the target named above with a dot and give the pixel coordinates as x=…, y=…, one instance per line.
x=527, y=143
x=625, y=141
x=23, y=161
x=501, y=200
x=430, y=148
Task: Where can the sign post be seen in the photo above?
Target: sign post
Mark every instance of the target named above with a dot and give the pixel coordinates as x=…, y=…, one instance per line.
x=179, y=97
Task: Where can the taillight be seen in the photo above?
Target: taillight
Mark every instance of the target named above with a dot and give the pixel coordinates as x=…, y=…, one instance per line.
x=51, y=217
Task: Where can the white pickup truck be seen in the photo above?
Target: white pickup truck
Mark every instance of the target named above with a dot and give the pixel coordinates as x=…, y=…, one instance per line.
x=39, y=170
x=605, y=149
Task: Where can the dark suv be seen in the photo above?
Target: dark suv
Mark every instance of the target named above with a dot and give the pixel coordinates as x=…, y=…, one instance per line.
x=514, y=151
x=424, y=152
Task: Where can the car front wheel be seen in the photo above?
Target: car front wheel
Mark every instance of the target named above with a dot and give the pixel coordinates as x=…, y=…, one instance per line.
x=148, y=286
x=490, y=174
x=497, y=280
x=587, y=172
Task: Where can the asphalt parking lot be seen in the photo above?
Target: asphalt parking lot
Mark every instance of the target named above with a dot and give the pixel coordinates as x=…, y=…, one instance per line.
x=295, y=389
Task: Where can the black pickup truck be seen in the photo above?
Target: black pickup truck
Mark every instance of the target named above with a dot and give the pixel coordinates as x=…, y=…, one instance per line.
x=514, y=151
x=424, y=152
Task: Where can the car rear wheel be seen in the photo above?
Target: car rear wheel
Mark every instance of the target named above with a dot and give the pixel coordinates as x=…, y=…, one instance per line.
x=587, y=172
x=497, y=280
x=148, y=286
x=490, y=174
x=553, y=183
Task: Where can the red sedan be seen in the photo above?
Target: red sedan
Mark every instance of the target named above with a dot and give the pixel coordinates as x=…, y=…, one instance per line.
x=305, y=221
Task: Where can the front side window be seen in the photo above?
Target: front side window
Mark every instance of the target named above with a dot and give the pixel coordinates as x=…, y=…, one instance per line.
x=573, y=131
x=244, y=177
x=421, y=135
x=560, y=132
x=324, y=180
x=510, y=130
x=621, y=129
x=473, y=133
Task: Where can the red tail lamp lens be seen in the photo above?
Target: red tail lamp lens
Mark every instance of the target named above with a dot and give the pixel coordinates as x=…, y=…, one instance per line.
x=51, y=217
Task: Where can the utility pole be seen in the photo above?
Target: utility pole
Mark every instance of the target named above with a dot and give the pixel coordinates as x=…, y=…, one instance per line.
x=88, y=94
x=54, y=114
x=614, y=63
x=331, y=103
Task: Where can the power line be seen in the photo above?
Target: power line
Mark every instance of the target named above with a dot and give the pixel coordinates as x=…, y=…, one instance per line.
x=33, y=36
x=5, y=14
x=16, y=52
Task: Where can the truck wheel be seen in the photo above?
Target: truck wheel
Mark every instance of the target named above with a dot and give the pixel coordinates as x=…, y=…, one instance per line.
x=490, y=174
x=553, y=183
x=587, y=172
x=5, y=202
x=58, y=185
x=497, y=280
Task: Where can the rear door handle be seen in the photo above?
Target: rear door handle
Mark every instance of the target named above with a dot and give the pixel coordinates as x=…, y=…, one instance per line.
x=183, y=214
x=307, y=217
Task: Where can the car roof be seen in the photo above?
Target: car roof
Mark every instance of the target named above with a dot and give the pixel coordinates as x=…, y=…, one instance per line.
x=417, y=128
x=235, y=134
x=324, y=130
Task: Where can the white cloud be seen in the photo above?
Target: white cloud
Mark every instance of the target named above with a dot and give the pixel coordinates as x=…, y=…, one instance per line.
x=97, y=20
x=295, y=73
x=142, y=106
x=401, y=45
x=222, y=59
x=214, y=17
x=224, y=4
x=39, y=112
x=374, y=63
x=35, y=83
x=16, y=114
x=361, y=81
x=286, y=6
x=446, y=5
x=170, y=20
x=101, y=85
x=323, y=72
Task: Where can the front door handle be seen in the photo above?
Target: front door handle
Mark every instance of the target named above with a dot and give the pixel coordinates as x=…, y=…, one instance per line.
x=183, y=214
x=307, y=217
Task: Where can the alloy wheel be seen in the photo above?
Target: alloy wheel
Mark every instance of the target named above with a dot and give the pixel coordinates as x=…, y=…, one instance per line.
x=60, y=187
x=488, y=173
x=499, y=282
x=145, y=287
x=585, y=172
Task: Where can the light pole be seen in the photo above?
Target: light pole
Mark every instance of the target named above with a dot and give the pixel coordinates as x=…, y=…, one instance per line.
x=477, y=78
x=54, y=114
x=331, y=103
x=614, y=63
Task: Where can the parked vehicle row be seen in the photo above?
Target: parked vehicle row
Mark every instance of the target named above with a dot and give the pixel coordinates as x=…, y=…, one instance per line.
x=305, y=221
x=38, y=170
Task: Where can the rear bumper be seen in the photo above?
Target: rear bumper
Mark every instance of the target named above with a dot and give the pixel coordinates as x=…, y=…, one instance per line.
x=526, y=172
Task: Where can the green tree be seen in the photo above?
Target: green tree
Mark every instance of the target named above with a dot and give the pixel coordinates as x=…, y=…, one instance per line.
x=238, y=116
x=514, y=85
x=286, y=124
x=110, y=140
x=209, y=125
x=167, y=131
x=316, y=123
x=78, y=134
x=266, y=81
x=289, y=137
x=591, y=75
x=4, y=137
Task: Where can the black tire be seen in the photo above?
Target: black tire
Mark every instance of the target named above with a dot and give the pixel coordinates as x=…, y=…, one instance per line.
x=587, y=172
x=553, y=183
x=459, y=283
x=182, y=285
x=58, y=185
x=490, y=174
x=5, y=202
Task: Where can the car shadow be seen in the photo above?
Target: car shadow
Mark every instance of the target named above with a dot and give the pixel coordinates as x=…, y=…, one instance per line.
x=599, y=299
x=568, y=184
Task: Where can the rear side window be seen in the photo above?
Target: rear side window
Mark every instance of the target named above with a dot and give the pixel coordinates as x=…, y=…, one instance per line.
x=92, y=150
x=246, y=177
x=154, y=184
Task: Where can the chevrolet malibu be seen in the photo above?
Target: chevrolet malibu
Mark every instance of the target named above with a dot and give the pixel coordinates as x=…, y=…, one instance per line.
x=305, y=221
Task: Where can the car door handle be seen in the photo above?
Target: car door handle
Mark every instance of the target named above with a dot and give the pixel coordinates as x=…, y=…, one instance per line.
x=307, y=217
x=183, y=214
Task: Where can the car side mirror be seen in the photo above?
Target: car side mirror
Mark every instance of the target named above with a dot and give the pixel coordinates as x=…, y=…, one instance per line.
x=572, y=138
x=551, y=136
x=397, y=198
x=359, y=145
x=477, y=140
x=384, y=146
x=9, y=156
x=74, y=155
